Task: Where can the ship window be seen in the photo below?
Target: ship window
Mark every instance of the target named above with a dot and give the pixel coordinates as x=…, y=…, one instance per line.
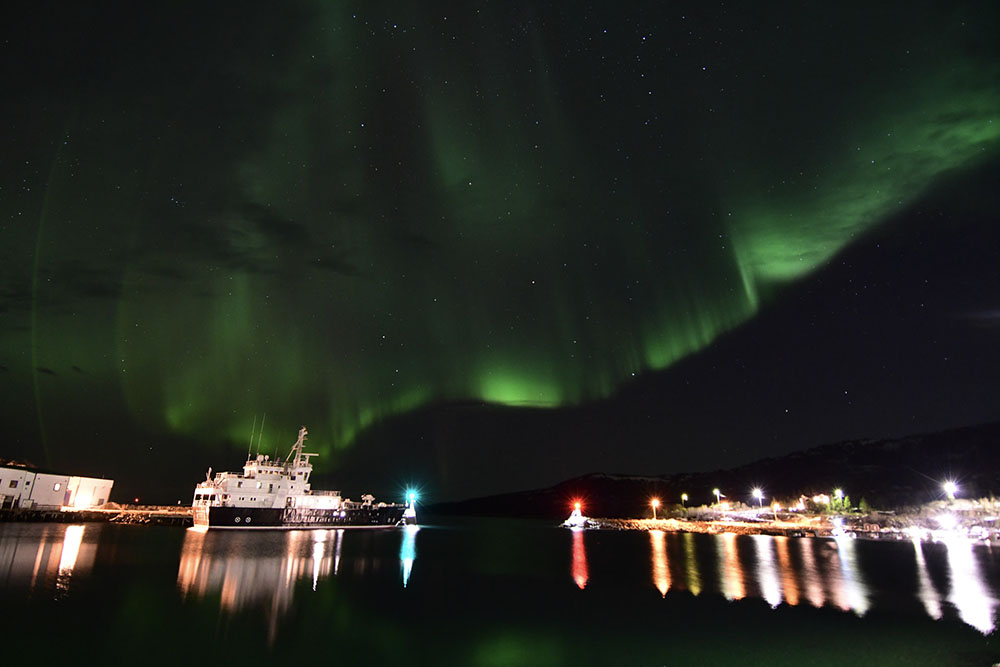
x=258, y=485
x=239, y=485
x=13, y=483
x=293, y=478
x=56, y=486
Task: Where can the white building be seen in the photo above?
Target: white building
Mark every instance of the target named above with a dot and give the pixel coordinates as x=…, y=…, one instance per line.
x=24, y=488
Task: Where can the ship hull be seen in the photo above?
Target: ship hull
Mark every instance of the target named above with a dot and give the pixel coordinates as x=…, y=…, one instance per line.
x=289, y=518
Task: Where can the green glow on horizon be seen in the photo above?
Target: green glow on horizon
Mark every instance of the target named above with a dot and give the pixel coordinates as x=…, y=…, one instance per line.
x=518, y=387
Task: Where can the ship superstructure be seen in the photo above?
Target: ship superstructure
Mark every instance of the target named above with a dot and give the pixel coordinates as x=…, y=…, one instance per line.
x=277, y=494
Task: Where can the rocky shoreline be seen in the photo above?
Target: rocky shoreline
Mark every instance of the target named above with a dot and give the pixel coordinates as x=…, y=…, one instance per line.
x=973, y=519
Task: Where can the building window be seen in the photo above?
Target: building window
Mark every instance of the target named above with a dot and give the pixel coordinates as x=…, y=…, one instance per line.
x=56, y=486
x=13, y=483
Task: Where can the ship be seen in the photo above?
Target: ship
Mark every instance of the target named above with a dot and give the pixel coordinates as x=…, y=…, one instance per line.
x=275, y=494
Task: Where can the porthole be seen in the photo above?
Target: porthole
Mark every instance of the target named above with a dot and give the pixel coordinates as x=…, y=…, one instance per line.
x=237, y=519
x=248, y=519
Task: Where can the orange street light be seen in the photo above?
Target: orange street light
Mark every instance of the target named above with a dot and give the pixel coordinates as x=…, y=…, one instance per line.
x=655, y=502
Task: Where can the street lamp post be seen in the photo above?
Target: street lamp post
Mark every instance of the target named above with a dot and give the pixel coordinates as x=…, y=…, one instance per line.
x=759, y=495
x=655, y=502
x=950, y=489
x=684, y=498
x=717, y=495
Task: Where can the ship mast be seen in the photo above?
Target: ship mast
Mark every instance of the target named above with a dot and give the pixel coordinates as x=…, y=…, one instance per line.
x=296, y=453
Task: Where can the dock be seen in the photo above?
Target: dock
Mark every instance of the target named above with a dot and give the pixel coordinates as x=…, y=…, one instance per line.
x=148, y=515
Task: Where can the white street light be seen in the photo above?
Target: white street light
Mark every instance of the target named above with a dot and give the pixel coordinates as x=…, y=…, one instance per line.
x=759, y=495
x=950, y=489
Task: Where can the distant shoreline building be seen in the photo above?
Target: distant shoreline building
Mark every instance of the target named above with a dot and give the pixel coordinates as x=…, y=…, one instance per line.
x=26, y=489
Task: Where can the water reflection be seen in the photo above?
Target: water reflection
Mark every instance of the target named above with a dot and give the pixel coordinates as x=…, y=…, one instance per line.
x=852, y=592
x=691, y=563
x=929, y=597
x=969, y=594
x=767, y=574
x=661, y=570
x=829, y=572
x=789, y=586
x=262, y=570
x=580, y=574
x=816, y=571
x=730, y=569
x=408, y=551
x=46, y=558
x=810, y=573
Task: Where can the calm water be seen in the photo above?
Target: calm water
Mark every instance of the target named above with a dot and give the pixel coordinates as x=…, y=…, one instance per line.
x=492, y=592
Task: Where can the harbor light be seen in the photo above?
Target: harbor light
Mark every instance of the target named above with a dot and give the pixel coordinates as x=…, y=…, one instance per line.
x=684, y=498
x=717, y=496
x=759, y=495
x=654, y=503
x=411, y=497
x=950, y=489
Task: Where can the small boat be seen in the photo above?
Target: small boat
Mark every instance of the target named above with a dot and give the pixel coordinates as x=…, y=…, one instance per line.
x=276, y=494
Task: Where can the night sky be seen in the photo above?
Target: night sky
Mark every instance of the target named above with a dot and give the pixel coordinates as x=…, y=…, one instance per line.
x=488, y=246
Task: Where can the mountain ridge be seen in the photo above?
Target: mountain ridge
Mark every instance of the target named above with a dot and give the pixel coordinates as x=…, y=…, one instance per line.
x=887, y=473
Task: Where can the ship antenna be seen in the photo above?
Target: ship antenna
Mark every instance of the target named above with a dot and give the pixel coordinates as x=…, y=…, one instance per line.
x=250, y=444
x=261, y=434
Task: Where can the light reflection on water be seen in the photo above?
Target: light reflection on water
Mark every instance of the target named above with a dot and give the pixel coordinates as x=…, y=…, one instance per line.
x=250, y=569
x=947, y=580
x=928, y=595
x=767, y=574
x=813, y=582
x=823, y=571
x=408, y=551
x=730, y=569
x=580, y=574
x=661, y=569
x=969, y=594
x=789, y=585
x=691, y=562
x=45, y=558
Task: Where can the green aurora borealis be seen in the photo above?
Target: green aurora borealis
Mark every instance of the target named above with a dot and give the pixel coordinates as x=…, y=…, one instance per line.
x=347, y=212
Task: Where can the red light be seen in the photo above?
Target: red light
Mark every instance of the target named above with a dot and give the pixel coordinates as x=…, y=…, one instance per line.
x=576, y=505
